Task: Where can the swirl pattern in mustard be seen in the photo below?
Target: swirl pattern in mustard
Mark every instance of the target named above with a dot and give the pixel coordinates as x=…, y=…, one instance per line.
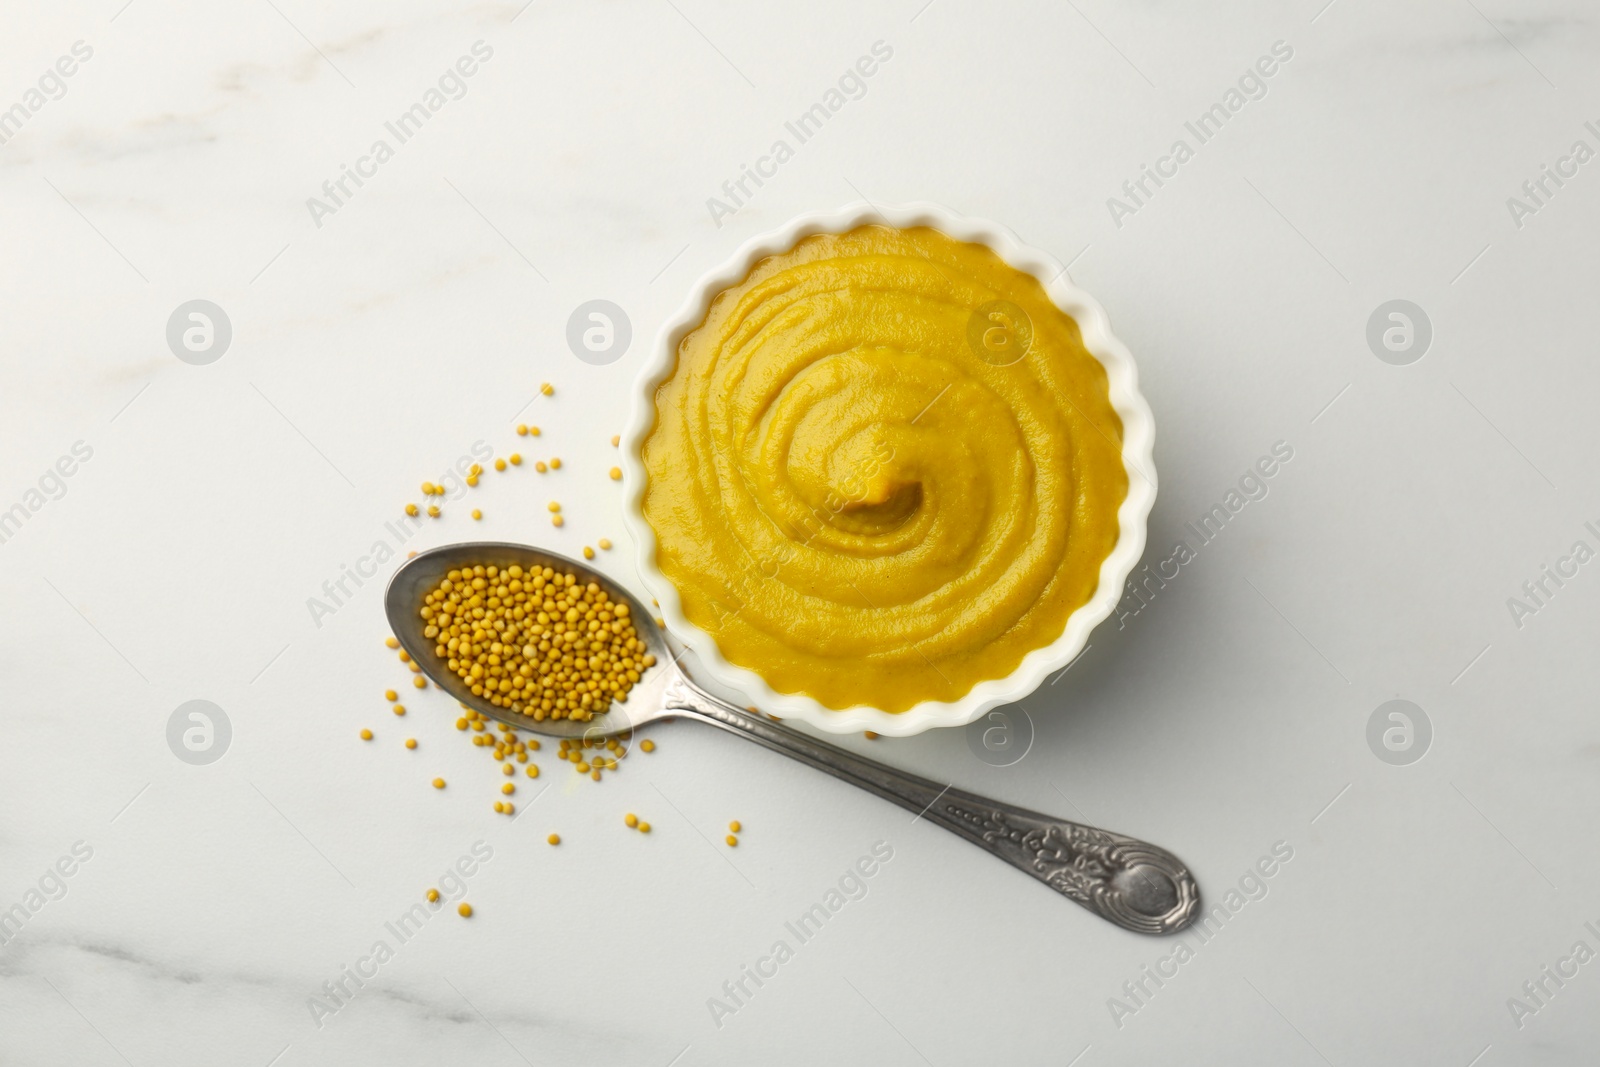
x=884, y=469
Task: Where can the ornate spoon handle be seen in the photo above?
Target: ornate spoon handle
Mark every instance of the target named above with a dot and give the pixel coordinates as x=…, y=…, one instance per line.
x=1126, y=881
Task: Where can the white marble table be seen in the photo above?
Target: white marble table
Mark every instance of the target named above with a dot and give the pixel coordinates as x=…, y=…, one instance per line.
x=1411, y=907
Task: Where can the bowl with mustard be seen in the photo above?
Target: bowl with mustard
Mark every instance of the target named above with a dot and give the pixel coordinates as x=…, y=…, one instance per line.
x=887, y=468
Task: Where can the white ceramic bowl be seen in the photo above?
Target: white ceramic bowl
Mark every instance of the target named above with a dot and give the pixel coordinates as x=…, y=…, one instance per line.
x=1138, y=429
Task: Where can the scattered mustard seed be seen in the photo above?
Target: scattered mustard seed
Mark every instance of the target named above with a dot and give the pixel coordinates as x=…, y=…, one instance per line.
x=605, y=544
x=476, y=514
x=735, y=826
x=733, y=842
x=631, y=819
x=522, y=429
x=616, y=439
x=557, y=520
x=588, y=553
x=554, y=839
x=433, y=896
x=366, y=735
x=616, y=474
x=411, y=742
x=516, y=459
x=647, y=745
x=433, y=511
x=391, y=642
x=411, y=509
x=644, y=828
x=555, y=463
x=464, y=910
x=438, y=783
x=390, y=695
x=546, y=388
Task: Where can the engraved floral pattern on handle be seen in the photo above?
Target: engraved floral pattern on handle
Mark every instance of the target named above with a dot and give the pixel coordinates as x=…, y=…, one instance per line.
x=1127, y=881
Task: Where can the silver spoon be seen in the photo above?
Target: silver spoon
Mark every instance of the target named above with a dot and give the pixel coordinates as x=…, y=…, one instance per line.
x=1126, y=881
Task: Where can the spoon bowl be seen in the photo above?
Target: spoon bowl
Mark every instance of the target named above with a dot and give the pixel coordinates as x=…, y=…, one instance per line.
x=1126, y=881
x=421, y=574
